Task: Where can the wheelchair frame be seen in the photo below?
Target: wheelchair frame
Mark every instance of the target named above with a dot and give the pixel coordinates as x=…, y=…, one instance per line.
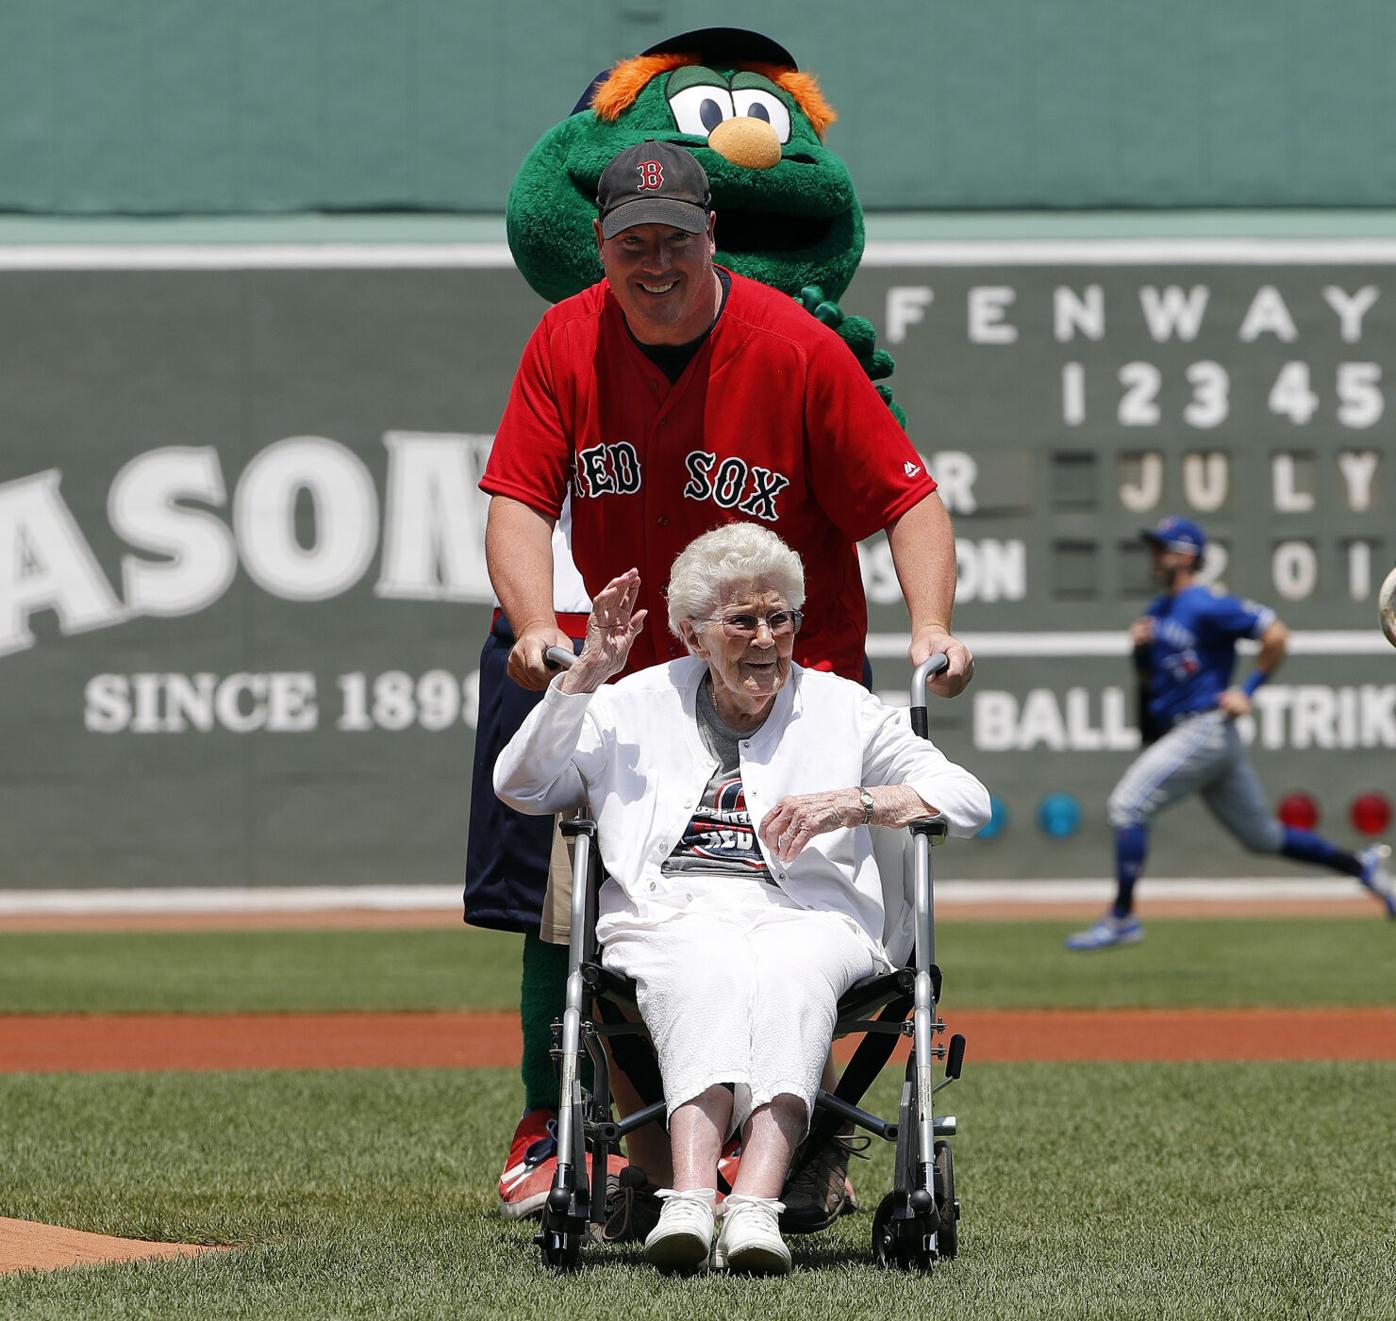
x=915, y=1224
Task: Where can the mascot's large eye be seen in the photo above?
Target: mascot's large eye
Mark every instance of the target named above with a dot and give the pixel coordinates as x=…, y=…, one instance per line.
x=763, y=105
x=700, y=109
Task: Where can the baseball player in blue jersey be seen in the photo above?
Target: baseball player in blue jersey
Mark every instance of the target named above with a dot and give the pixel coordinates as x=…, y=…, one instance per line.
x=1186, y=641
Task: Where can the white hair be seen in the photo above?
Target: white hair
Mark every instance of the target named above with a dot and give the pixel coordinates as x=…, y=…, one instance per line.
x=734, y=555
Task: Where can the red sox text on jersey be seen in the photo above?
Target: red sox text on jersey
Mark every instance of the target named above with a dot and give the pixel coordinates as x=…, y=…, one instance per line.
x=731, y=483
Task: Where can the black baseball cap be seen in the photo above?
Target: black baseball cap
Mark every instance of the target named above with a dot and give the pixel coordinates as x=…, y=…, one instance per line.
x=653, y=183
x=726, y=45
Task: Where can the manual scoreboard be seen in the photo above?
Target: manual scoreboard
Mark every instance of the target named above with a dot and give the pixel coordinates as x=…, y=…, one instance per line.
x=1069, y=394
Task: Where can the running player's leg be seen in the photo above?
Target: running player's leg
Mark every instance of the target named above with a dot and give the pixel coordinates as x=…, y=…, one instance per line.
x=1178, y=764
x=1237, y=800
x=1182, y=762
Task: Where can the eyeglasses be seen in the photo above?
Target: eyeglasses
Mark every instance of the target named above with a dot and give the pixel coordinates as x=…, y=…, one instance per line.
x=780, y=622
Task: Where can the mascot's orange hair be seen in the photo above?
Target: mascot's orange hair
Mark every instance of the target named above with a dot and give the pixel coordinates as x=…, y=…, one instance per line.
x=626, y=80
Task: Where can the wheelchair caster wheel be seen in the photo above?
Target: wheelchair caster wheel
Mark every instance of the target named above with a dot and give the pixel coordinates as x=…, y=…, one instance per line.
x=559, y=1238
x=948, y=1235
x=901, y=1245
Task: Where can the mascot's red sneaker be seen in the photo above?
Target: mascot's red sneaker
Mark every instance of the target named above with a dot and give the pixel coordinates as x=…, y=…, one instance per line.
x=528, y=1173
x=728, y=1162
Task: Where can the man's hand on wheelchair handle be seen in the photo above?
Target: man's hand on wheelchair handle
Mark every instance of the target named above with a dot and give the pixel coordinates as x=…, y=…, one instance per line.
x=527, y=666
x=931, y=638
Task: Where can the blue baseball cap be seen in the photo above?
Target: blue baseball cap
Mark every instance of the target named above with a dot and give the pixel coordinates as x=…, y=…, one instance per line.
x=1180, y=534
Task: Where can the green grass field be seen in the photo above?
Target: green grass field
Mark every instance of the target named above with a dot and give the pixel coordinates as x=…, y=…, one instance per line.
x=1181, y=1191
x=1090, y=1190
x=1336, y=961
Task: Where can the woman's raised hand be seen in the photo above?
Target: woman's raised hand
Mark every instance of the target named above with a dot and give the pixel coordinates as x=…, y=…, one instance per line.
x=612, y=628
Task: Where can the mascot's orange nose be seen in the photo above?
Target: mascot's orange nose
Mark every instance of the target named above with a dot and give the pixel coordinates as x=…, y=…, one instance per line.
x=746, y=141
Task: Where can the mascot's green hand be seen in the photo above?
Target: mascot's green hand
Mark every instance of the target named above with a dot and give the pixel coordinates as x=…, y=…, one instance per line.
x=812, y=299
x=860, y=336
x=858, y=333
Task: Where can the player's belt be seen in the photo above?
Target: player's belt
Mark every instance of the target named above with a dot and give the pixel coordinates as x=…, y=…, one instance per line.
x=1192, y=715
x=575, y=626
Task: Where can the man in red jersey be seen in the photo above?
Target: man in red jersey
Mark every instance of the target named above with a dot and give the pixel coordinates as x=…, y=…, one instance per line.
x=675, y=396
x=671, y=397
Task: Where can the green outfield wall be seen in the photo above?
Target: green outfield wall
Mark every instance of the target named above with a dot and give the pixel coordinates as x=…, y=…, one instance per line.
x=175, y=106
x=241, y=580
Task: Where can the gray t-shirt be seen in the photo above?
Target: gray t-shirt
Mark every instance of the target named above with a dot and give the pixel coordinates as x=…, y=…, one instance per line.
x=719, y=839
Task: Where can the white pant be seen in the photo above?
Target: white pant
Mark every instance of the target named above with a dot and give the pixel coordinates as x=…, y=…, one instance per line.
x=741, y=987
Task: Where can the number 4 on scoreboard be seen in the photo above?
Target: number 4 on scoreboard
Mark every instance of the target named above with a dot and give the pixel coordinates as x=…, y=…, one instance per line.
x=1360, y=402
x=1291, y=396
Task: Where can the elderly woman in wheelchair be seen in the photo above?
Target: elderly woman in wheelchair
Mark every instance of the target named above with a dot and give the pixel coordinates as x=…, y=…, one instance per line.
x=733, y=792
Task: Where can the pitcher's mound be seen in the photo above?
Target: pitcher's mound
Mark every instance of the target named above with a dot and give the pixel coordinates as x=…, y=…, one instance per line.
x=26, y=1245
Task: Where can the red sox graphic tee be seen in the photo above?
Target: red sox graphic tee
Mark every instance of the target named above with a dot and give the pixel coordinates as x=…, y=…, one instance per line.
x=719, y=838
x=773, y=421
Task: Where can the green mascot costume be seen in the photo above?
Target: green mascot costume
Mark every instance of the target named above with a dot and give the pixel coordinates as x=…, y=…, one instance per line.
x=787, y=212
x=788, y=216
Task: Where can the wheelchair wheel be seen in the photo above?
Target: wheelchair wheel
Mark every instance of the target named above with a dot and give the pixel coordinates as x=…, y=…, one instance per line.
x=901, y=1245
x=559, y=1238
x=948, y=1236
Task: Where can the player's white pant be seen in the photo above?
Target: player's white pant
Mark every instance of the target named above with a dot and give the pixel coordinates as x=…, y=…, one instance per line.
x=1201, y=754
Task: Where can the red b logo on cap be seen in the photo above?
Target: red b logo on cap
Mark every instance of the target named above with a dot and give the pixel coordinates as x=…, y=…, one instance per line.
x=651, y=175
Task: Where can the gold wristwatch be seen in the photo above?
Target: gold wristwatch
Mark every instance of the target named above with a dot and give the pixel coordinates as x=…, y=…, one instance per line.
x=866, y=799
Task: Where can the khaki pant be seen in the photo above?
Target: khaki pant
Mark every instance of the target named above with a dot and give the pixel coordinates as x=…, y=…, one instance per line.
x=555, y=926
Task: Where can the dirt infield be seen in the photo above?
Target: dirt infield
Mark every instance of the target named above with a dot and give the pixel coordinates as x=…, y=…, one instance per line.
x=26, y=1245
x=44, y=1043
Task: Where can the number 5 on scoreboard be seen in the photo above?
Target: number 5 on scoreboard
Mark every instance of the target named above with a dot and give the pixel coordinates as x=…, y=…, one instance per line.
x=1360, y=401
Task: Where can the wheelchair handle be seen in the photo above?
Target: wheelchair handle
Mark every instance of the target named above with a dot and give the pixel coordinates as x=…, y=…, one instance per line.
x=925, y=672
x=559, y=658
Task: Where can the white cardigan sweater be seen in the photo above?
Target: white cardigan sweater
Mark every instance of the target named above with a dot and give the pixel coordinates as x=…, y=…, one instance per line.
x=633, y=753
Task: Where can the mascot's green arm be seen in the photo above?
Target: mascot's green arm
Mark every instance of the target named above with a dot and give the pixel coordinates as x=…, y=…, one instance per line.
x=861, y=337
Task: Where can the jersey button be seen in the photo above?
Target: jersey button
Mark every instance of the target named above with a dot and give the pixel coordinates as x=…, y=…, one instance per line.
x=662, y=520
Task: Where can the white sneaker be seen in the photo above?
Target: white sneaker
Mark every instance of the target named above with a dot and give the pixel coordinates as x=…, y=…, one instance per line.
x=1375, y=876
x=684, y=1235
x=750, y=1240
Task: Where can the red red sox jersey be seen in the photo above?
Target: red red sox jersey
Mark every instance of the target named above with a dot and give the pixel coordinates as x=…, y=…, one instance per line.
x=773, y=421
